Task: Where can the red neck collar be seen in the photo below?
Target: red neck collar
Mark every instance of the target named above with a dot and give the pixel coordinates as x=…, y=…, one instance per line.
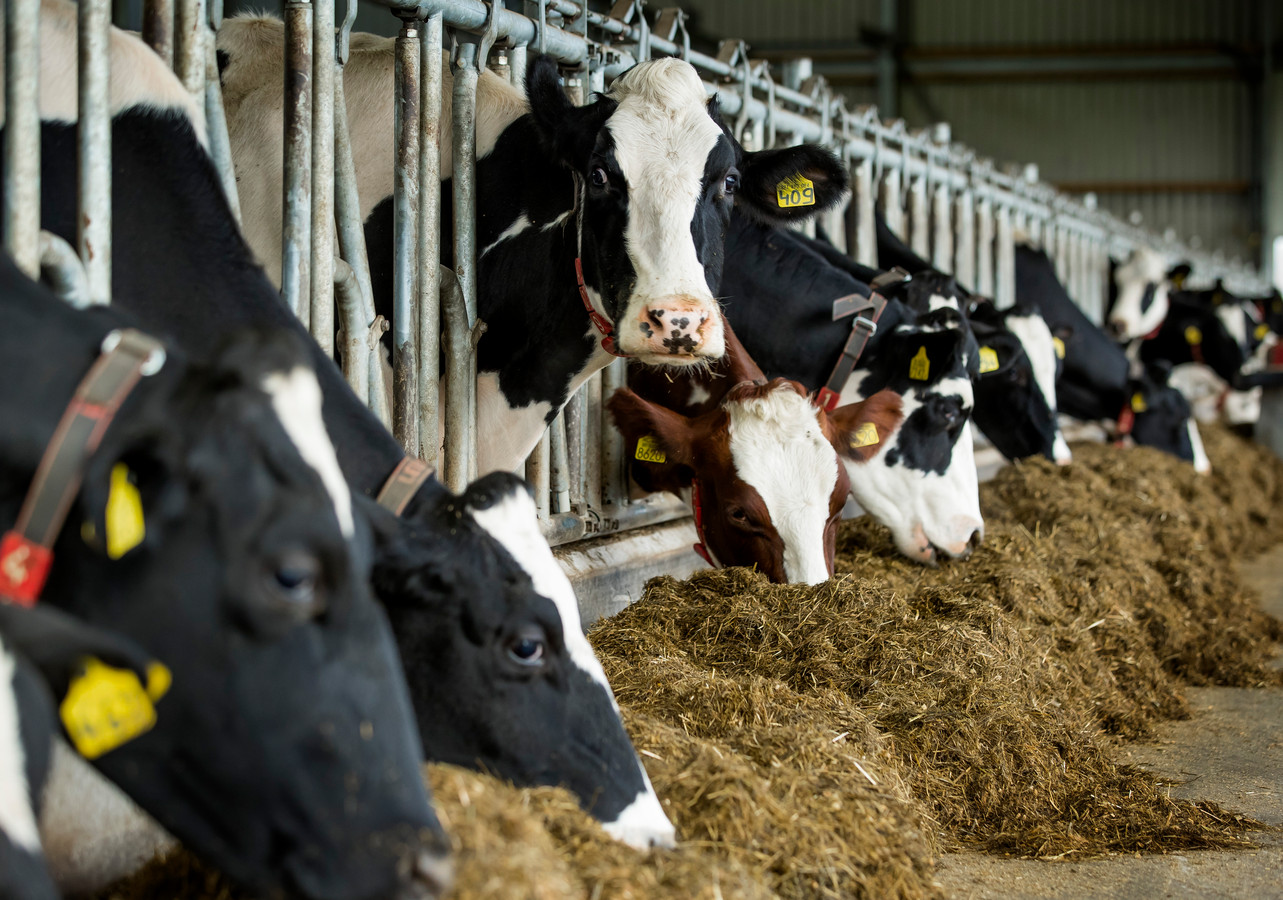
x=600, y=322
x=700, y=547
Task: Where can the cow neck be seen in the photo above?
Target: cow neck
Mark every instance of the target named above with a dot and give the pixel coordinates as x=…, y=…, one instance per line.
x=604, y=326
x=863, y=327
x=26, y=551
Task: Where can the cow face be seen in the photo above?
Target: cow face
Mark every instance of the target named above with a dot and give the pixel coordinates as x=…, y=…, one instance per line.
x=766, y=465
x=656, y=178
x=503, y=677
x=1139, y=289
x=1019, y=363
x=922, y=482
x=1163, y=417
x=283, y=751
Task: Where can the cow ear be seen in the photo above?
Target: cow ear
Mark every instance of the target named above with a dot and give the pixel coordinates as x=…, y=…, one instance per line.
x=129, y=491
x=857, y=430
x=568, y=132
x=789, y=184
x=1177, y=275
x=999, y=353
x=655, y=436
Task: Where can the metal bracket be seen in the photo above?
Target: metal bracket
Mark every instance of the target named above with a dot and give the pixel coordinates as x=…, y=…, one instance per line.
x=483, y=39
x=671, y=21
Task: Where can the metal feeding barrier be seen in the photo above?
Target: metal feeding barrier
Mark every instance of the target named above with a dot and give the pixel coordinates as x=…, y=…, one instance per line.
x=958, y=210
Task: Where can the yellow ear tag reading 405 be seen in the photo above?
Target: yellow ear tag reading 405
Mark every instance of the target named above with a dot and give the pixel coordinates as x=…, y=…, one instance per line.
x=1138, y=403
x=865, y=436
x=795, y=191
x=988, y=360
x=1060, y=347
x=106, y=707
x=920, y=366
x=648, y=450
x=124, y=514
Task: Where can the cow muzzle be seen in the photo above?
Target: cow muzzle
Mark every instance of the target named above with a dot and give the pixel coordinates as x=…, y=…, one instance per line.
x=675, y=330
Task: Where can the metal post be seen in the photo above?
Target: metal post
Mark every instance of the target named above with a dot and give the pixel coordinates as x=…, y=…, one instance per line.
x=158, y=28
x=984, y=247
x=537, y=475
x=220, y=145
x=464, y=163
x=866, y=242
x=892, y=210
x=1004, y=294
x=22, y=134
x=93, y=137
x=356, y=343
x=296, y=238
x=614, y=474
x=430, y=234
x=942, y=230
x=460, y=376
x=405, y=230
x=189, y=49
x=559, y=479
x=321, y=321
x=964, y=246
x=517, y=60
x=575, y=413
x=919, y=218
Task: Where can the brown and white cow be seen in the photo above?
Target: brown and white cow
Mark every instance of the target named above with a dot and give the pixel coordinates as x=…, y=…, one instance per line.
x=758, y=460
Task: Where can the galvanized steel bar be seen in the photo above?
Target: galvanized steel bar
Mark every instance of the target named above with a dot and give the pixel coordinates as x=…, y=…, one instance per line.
x=158, y=28
x=22, y=134
x=460, y=375
x=220, y=145
x=464, y=162
x=984, y=247
x=405, y=231
x=1004, y=292
x=324, y=59
x=614, y=472
x=429, y=320
x=941, y=230
x=919, y=218
x=892, y=208
x=537, y=475
x=559, y=476
x=964, y=245
x=189, y=49
x=296, y=228
x=356, y=329
x=93, y=147
x=866, y=242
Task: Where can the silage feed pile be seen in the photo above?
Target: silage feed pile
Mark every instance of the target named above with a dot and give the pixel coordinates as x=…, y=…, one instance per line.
x=829, y=741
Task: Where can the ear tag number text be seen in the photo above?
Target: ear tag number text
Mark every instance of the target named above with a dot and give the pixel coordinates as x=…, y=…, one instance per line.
x=795, y=190
x=648, y=450
x=865, y=436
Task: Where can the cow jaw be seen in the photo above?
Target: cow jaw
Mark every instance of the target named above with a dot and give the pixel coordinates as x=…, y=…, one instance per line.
x=779, y=449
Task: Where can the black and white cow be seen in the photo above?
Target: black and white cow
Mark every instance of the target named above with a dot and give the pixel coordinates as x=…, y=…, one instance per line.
x=922, y=484
x=1140, y=289
x=1096, y=381
x=488, y=627
x=283, y=751
x=636, y=187
x=41, y=650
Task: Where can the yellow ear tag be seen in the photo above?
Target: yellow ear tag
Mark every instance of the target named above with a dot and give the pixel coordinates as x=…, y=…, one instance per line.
x=795, y=191
x=1193, y=335
x=920, y=366
x=988, y=360
x=124, y=514
x=865, y=436
x=1060, y=347
x=648, y=450
x=1261, y=331
x=107, y=707
x=1138, y=403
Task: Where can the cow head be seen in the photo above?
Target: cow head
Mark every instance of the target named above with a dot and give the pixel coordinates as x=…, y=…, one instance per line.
x=1019, y=362
x=283, y=750
x=922, y=481
x=656, y=177
x=502, y=676
x=767, y=463
x=1162, y=416
x=1139, y=292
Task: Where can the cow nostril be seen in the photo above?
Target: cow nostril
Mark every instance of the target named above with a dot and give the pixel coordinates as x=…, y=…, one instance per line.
x=1115, y=328
x=976, y=538
x=656, y=316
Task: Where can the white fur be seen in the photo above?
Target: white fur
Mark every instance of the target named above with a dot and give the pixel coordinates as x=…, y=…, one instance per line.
x=296, y=398
x=138, y=76
x=93, y=834
x=507, y=433
x=1202, y=464
x=1145, y=267
x=17, y=820
x=699, y=395
x=779, y=449
x=643, y=823
x=1035, y=337
x=663, y=135
x=939, y=301
x=1235, y=322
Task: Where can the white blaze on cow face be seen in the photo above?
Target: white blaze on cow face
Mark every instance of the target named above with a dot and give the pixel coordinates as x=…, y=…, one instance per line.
x=296, y=398
x=17, y=821
x=1202, y=464
x=512, y=522
x=663, y=135
x=1036, y=338
x=779, y=449
x=1142, y=295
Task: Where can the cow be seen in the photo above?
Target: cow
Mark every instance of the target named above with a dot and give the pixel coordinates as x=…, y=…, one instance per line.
x=42, y=652
x=922, y=483
x=1139, y=290
x=1096, y=380
x=211, y=527
x=488, y=627
x=760, y=461
x=599, y=228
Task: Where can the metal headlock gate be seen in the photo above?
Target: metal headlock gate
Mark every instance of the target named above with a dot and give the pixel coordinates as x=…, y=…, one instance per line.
x=954, y=208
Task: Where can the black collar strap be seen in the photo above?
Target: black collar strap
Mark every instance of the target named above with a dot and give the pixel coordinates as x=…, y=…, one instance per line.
x=863, y=327
x=404, y=482
x=26, y=551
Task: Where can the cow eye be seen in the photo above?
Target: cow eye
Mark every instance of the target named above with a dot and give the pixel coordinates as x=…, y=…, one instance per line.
x=599, y=177
x=732, y=183
x=737, y=514
x=295, y=580
x=527, y=647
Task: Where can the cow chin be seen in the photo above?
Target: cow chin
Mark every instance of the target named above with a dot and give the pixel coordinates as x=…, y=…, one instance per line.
x=677, y=330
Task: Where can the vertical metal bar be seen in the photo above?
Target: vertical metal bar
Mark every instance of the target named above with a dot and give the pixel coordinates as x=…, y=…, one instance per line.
x=1004, y=293
x=964, y=246
x=559, y=486
x=158, y=28
x=93, y=137
x=919, y=218
x=220, y=145
x=321, y=321
x=537, y=475
x=984, y=247
x=892, y=205
x=464, y=137
x=22, y=134
x=593, y=429
x=942, y=230
x=460, y=377
x=614, y=477
x=430, y=234
x=296, y=239
x=866, y=242
x=356, y=342
x=575, y=413
x=189, y=49
x=517, y=60
x=347, y=202
x=405, y=230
